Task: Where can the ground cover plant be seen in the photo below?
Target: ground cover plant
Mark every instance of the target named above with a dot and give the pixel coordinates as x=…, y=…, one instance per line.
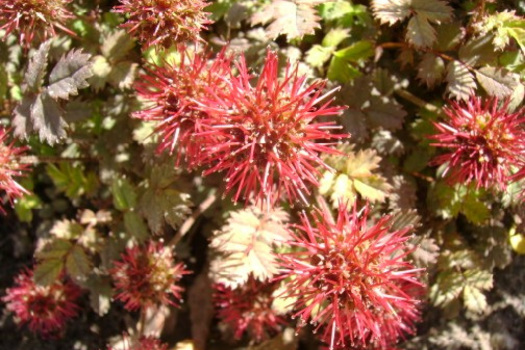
x=262, y=174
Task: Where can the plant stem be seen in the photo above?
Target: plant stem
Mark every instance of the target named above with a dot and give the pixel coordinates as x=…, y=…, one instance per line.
x=187, y=225
x=417, y=101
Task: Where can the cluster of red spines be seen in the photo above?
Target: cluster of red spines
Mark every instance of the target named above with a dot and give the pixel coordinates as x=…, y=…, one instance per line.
x=34, y=19
x=171, y=91
x=266, y=137
x=486, y=140
x=352, y=280
x=147, y=276
x=248, y=309
x=164, y=22
x=10, y=167
x=45, y=309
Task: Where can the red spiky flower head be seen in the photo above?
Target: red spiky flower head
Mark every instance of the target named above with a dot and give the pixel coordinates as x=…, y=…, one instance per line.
x=10, y=167
x=164, y=22
x=34, y=19
x=146, y=276
x=45, y=309
x=170, y=92
x=248, y=309
x=351, y=280
x=266, y=137
x=486, y=142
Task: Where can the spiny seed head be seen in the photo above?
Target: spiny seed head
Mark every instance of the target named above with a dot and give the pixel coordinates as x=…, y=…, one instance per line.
x=266, y=137
x=45, y=309
x=169, y=93
x=486, y=141
x=351, y=279
x=10, y=167
x=164, y=22
x=248, y=309
x=146, y=276
x=34, y=19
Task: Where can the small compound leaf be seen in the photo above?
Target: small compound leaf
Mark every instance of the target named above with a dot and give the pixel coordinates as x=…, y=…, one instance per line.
x=36, y=69
x=497, y=82
x=419, y=32
x=461, y=83
x=78, y=265
x=294, y=18
x=47, y=272
x=70, y=74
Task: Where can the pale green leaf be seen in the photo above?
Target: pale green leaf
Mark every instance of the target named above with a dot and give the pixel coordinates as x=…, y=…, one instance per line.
x=318, y=55
x=246, y=245
x=391, y=11
x=335, y=36
x=461, y=83
x=474, y=299
x=293, y=18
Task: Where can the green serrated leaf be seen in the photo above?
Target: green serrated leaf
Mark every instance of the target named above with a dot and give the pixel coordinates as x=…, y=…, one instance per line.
x=56, y=249
x=356, y=52
x=69, y=75
x=333, y=10
x=135, y=225
x=340, y=70
x=474, y=299
x=431, y=69
x=419, y=32
x=335, y=36
x=124, y=196
x=47, y=272
x=78, y=265
x=318, y=55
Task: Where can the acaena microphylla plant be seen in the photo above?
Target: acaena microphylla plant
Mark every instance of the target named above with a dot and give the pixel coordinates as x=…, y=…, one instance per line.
x=164, y=22
x=147, y=276
x=45, y=309
x=351, y=279
x=248, y=309
x=269, y=135
x=10, y=167
x=485, y=139
x=142, y=343
x=34, y=19
x=169, y=93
